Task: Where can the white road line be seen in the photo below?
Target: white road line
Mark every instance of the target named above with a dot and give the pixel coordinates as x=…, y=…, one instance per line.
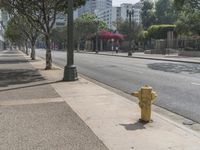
x=198, y=84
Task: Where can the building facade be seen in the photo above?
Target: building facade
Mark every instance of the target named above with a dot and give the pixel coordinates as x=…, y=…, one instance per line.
x=61, y=20
x=105, y=15
x=94, y=6
x=90, y=6
x=137, y=11
x=120, y=13
x=103, y=4
x=104, y=11
x=124, y=8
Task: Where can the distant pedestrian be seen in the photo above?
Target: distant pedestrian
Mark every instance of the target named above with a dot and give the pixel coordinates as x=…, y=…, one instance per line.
x=117, y=46
x=117, y=49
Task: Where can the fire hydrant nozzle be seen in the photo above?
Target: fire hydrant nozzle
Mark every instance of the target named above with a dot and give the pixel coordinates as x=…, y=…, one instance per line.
x=146, y=97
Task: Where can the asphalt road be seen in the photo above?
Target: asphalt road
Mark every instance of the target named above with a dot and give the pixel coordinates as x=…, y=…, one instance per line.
x=177, y=84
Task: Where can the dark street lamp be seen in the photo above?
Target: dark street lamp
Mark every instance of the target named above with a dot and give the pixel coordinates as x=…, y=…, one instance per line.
x=70, y=72
x=97, y=25
x=130, y=14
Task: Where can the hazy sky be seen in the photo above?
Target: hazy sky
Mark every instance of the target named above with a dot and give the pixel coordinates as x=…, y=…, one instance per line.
x=118, y=2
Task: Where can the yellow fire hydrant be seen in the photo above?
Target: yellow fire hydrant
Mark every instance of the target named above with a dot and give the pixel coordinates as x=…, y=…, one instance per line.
x=146, y=97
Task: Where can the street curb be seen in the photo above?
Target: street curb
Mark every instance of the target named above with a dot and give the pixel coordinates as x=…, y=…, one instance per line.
x=149, y=58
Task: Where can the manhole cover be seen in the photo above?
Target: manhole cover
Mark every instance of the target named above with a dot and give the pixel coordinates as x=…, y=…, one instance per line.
x=188, y=122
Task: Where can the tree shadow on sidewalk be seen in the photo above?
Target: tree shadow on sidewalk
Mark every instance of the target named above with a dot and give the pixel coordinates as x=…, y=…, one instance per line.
x=30, y=86
x=13, y=55
x=175, y=68
x=13, y=61
x=18, y=76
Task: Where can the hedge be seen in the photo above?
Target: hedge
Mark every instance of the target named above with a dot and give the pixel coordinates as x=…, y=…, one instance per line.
x=160, y=31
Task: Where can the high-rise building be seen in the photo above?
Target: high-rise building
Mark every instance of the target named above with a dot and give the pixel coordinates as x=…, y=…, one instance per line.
x=61, y=20
x=105, y=15
x=90, y=6
x=137, y=11
x=93, y=6
x=120, y=13
x=124, y=8
x=103, y=4
x=116, y=17
x=104, y=11
x=4, y=17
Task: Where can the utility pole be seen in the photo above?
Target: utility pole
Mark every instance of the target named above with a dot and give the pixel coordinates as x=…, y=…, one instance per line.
x=70, y=72
x=97, y=43
x=130, y=14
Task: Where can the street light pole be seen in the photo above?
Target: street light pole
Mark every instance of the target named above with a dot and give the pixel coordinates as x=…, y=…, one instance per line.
x=70, y=72
x=130, y=14
x=97, y=23
x=96, y=44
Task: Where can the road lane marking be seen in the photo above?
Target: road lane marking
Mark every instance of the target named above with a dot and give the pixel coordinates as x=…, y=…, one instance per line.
x=198, y=84
x=138, y=72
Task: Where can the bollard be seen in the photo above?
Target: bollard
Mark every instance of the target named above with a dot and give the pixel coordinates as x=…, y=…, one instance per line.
x=146, y=97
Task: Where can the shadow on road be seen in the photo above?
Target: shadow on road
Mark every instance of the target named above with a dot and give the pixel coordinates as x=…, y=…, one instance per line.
x=175, y=68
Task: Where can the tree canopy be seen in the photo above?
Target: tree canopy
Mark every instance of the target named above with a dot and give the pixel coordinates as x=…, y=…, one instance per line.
x=147, y=14
x=165, y=12
x=160, y=31
x=87, y=25
x=132, y=34
x=41, y=14
x=20, y=24
x=13, y=32
x=194, y=4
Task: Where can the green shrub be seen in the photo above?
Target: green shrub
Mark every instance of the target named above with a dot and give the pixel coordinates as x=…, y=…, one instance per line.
x=160, y=31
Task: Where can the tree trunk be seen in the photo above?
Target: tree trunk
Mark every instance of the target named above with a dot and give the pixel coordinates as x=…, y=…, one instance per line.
x=33, y=50
x=19, y=47
x=27, y=52
x=101, y=46
x=78, y=46
x=48, y=53
x=23, y=48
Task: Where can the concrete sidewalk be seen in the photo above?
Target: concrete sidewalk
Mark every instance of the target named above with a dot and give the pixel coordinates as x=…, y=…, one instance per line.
x=171, y=57
x=33, y=116
x=54, y=123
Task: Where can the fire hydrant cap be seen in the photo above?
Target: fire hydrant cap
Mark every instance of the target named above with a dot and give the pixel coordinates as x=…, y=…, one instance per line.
x=154, y=95
x=136, y=94
x=146, y=87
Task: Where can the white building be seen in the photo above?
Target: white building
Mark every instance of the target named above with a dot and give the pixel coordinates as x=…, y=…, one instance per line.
x=90, y=6
x=104, y=11
x=137, y=11
x=124, y=8
x=120, y=13
x=61, y=20
x=103, y=4
x=106, y=16
x=101, y=8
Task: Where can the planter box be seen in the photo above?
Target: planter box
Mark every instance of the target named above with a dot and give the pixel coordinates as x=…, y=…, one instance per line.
x=189, y=53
